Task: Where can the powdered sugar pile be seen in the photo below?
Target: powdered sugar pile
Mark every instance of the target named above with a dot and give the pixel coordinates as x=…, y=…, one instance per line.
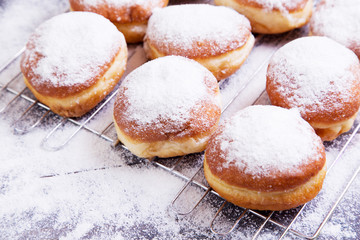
x=166, y=89
x=339, y=20
x=73, y=48
x=260, y=139
x=184, y=27
x=313, y=73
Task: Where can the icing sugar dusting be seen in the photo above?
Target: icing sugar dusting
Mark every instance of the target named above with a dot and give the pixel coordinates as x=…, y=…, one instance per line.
x=120, y=3
x=269, y=5
x=311, y=71
x=185, y=26
x=132, y=201
x=339, y=20
x=73, y=48
x=165, y=88
x=15, y=31
x=261, y=138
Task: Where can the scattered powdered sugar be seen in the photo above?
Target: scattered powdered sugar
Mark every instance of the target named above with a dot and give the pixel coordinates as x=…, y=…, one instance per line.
x=335, y=182
x=79, y=205
x=311, y=71
x=165, y=88
x=18, y=18
x=73, y=48
x=116, y=200
x=184, y=26
x=123, y=202
x=261, y=138
x=339, y=20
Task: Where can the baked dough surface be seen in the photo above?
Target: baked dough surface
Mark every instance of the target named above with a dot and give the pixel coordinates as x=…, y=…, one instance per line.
x=73, y=61
x=167, y=107
x=319, y=77
x=266, y=158
x=129, y=16
x=217, y=37
x=272, y=17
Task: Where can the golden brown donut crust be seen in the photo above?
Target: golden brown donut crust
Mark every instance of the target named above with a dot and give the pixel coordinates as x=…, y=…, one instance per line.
x=121, y=14
x=279, y=181
x=170, y=147
x=322, y=82
x=327, y=116
x=167, y=107
x=203, y=120
x=78, y=102
x=133, y=32
x=47, y=89
x=72, y=61
x=221, y=66
x=275, y=201
x=188, y=44
x=275, y=20
x=222, y=50
x=266, y=158
x=329, y=132
x=293, y=8
x=200, y=50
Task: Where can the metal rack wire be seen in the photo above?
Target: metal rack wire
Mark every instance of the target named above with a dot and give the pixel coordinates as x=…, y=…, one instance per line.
x=190, y=181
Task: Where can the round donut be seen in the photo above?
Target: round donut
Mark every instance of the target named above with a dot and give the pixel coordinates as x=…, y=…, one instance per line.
x=129, y=16
x=219, y=38
x=319, y=77
x=272, y=16
x=72, y=61
x=167, y=107
x=338, y=20
x=265, y=158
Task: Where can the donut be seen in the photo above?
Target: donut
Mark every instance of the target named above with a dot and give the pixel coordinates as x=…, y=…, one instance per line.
x=167, y=107
x=265, y=158
x=217, y=37
x=129, y=16
x=272, y=16
x=72, y=61
x=338, y=20
x=319, y=77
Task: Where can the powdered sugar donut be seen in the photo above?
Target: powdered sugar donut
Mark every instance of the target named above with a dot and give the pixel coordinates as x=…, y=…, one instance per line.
x=73, y=61
x=129, y=16
x=217, y=37
x=338, y=20
x=167, y=107
x=272, y=16
x=276, y=162
x=319, y=77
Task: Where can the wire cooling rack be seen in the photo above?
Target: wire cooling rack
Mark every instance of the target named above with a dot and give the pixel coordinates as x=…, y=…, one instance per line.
x=14, y=92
